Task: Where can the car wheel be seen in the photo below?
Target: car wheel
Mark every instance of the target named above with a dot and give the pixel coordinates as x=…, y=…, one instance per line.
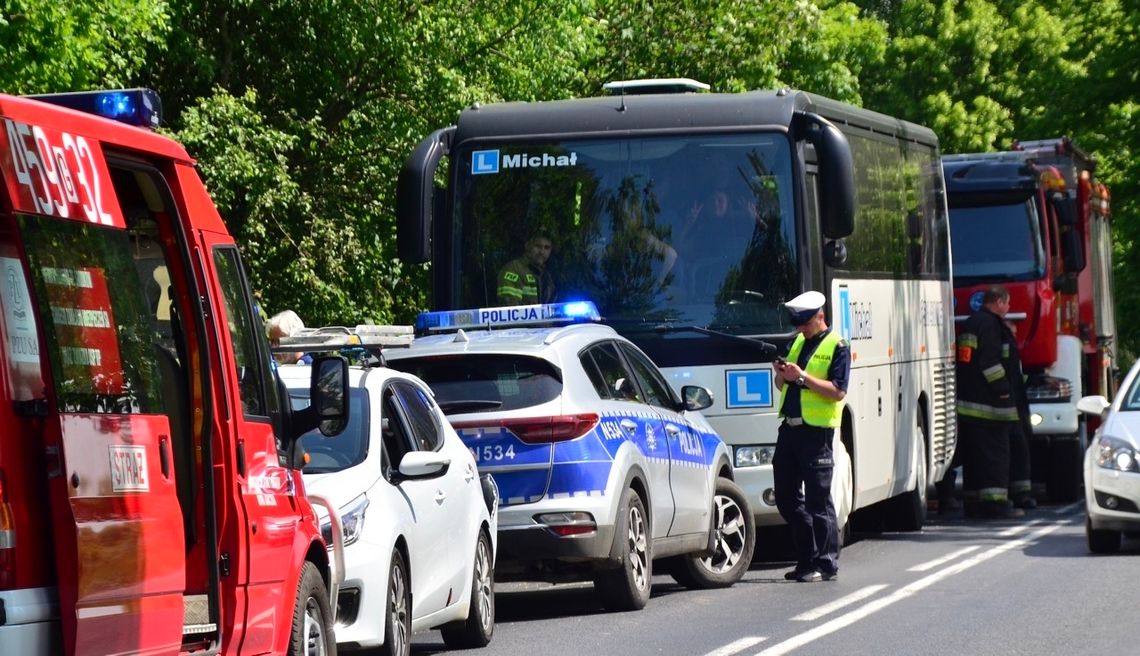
x=907, y=512
x=398, y=609
x=734, y=541
x=627, y=587
x=480, y=624
x=312, y=617
x=1102, y=540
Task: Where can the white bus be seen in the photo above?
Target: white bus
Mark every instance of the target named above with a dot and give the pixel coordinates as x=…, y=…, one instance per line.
x=688, y=218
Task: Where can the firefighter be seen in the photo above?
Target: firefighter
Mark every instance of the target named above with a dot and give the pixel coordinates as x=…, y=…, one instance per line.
x=525, y=279
x=987, y=407
x=1020, y=481
x=812, y=378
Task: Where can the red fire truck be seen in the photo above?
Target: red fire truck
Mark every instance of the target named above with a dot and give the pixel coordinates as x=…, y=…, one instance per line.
x=1036, y=220
x=150, y=494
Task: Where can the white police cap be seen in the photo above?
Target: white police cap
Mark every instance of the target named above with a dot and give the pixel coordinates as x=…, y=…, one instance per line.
x=810, y=301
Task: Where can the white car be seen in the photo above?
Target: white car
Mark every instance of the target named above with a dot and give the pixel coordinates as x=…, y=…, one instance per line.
x=419, y=523
x=602, y=466
x=1112, y=467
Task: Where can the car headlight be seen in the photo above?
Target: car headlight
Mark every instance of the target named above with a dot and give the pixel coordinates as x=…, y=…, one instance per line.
x=1119, y=455
x=754, y=456
x=351, y=521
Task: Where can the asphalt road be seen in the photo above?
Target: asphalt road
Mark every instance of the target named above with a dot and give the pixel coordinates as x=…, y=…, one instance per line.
x=959, y=587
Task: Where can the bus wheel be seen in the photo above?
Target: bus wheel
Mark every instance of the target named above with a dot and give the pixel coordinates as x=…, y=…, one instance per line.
x=908, y=510
x=312, y=617
x=734, y=541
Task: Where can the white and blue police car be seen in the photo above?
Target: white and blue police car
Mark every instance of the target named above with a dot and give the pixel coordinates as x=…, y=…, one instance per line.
x=602, y=467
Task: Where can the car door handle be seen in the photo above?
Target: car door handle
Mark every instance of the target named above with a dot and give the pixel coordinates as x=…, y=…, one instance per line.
x=469, y=473
x=672, y=429
x=629, y=425
x=440, y=495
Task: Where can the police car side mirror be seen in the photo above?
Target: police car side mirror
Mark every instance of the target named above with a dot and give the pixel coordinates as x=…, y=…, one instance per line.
x=695, y=397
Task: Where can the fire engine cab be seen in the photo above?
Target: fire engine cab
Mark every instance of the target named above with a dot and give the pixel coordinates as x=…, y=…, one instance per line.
x=150, y=493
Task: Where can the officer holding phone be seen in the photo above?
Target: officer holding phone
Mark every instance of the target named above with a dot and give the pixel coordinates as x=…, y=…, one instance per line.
x=813, y=379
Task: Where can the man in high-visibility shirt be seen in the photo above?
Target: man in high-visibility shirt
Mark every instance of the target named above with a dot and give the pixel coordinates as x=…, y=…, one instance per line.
x=813, y=381
x=525, y=280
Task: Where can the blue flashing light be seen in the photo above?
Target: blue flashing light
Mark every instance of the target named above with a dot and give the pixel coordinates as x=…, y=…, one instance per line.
x=140, y=107
x=512, y=315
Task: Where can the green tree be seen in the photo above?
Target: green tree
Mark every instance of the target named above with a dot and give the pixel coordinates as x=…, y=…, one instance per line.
x=52, y=46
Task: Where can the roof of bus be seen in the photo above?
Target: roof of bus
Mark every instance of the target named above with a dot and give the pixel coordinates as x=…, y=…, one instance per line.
x=108, y=132
x=664, y=112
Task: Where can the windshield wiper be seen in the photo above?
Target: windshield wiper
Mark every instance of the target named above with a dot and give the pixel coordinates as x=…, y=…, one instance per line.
x=765, y=347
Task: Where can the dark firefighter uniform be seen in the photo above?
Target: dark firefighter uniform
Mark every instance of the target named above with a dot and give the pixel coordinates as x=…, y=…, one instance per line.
x=987, y=410
x=522, y=283
x=1020, y=480
x=803, y=447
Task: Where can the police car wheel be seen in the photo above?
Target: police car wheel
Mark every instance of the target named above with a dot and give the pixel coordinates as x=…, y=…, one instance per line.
x=398, y=609
x=312, y=617
x=480, y=624
x=628, y=587
x=734, y=541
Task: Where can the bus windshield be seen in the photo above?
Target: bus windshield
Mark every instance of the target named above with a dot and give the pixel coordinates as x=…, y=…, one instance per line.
x=696, y=230
x=996, y=242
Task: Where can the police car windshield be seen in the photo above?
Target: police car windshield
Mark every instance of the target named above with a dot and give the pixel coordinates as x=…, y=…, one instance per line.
x=327, y=455
x=485, y=382
x=690, y=229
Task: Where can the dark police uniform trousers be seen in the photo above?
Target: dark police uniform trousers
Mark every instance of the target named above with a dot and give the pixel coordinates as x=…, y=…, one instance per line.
x=804, y=455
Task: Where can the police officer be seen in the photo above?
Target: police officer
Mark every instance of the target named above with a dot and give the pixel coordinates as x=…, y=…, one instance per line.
x=813, y=379
x=987, y=407
x=525, y=279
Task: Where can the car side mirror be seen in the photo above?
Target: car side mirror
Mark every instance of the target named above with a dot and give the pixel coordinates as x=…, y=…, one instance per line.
x=1094, y=405
x=418, y=465
x=695, y=397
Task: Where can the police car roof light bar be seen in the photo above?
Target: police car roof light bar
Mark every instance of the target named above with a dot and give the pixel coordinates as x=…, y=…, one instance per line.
x=514, y=316
x=139, y=107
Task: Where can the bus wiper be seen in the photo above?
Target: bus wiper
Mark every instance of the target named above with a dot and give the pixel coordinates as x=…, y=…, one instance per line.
x=765, y=347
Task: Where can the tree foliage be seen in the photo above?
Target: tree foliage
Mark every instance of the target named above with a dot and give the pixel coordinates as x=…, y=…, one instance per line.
x=301, y=113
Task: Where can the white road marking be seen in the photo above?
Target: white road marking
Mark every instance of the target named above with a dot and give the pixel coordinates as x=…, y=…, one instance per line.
x=931, y=564
x=1019, y=528
x=875, y=606
x=737, y=647
x=827, y=609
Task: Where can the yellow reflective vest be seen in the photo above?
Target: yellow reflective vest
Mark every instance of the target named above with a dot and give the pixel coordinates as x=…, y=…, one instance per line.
x=817, y=409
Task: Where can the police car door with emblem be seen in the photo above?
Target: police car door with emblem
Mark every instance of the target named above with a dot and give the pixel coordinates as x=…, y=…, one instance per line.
x=435, y=549
x=627, y=418
x=688, y=472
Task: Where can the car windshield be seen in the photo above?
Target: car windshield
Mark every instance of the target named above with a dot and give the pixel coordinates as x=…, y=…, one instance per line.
x=1132, y=400
x=485, y=383
x=332, y=454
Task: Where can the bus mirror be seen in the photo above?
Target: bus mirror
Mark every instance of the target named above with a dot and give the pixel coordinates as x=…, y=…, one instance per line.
x=836, y=177
x=415, y=196
x=1073, y=251
x=835, y=253
x=1065, y=208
